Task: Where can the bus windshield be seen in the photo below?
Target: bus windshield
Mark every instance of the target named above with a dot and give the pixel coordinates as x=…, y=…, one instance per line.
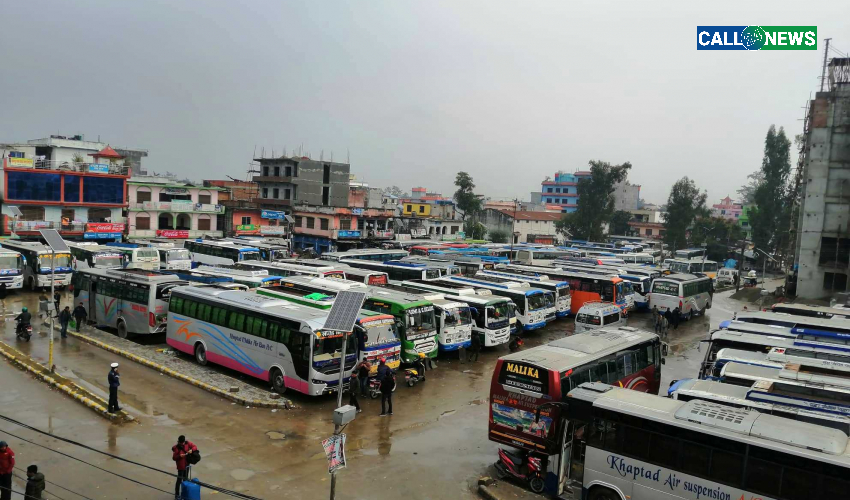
x=380, y=332
x=147, y=253
x=537, y=301
x=329, y=348
x=178, y=254
x=249, y=256
x=563, y=292
x=499, y=312
x=110, y=261
x=458, y=317
x=10, y=262
x=62, y=260
x=421, y=318
x=432, y=274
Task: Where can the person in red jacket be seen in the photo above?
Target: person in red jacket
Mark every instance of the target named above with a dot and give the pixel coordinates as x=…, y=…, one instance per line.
x=7, y=465
x=179, y=454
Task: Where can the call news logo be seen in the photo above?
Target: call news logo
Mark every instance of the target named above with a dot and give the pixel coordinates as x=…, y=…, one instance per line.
x=757, y=37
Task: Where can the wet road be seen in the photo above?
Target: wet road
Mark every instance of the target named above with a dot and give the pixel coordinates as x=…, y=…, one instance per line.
x=435, y=445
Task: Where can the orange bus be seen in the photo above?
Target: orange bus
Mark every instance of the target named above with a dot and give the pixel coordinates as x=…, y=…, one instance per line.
x=584, y=287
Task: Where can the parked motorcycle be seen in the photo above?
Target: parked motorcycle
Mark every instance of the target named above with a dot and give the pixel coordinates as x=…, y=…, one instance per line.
x=515, y=343
x=23, y=332
x=413, y=376
x=520, y=465
x=375, y=388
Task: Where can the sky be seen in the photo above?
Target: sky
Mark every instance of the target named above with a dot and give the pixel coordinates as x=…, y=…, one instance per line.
x=414, y=92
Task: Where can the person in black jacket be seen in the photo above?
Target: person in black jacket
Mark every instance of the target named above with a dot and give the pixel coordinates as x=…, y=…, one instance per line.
x=80, y=315
x=114, y=381
x=35, y=483
x=475, y=347
x=387, y=386
x=64, y=319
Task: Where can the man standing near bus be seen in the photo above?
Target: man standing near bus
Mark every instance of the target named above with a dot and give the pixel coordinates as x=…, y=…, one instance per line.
x=114, y=380
x=387, y=386
x=80, y=315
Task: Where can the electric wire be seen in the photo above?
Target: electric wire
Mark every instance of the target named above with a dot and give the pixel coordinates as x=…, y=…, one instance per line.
x=10, y=489
x=54, y=495
x=58, y=486
x=219, y=489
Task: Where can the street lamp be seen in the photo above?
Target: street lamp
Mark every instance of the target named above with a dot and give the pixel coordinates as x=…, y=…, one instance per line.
x=56, y=244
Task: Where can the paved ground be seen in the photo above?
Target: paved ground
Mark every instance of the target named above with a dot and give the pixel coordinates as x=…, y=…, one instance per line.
x=435, y=446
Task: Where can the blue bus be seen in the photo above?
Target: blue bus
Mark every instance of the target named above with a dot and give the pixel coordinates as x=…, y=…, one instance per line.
x=534, y=307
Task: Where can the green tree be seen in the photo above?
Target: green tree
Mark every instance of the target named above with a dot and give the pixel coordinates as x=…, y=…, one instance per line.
x=499, y=235
x=771, y=215
x=716, y=234
x=467, y=201
x=566, y=226
x=685, y=203
x=596, y=199
x=619, y=223
x=474, y=229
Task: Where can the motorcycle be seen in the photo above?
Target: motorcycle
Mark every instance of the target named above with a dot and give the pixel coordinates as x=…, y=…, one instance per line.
x=375, y=388
x=515, y=343
x=413, y=376
x=23, y=332
x=522, y=466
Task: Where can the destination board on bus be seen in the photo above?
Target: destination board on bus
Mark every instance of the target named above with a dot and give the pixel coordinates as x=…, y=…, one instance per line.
x=524, y=376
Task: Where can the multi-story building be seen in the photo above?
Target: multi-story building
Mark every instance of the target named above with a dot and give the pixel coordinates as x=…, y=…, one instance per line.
x=429, y=215
x=161, y=207
x=526, y=226
x=61, y=149
x=82, y=198
x=744, y=221
x=727, y=209
x=823, y=229
x=647, y=221
x=563, y=191
x=626, y=196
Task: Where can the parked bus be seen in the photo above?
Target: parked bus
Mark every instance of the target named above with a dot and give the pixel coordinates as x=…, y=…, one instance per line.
x=11, y=268
x=640, y=259
x=560, y=289
x=803, y=325
x=133, y=301
x=640, y=286
x=377, y=339
x=250, y=277
x=492, y=315
x=539, y=257
x=453, y=318
x=269, y=252
x=298, y=268
x=399, y=270
x=365, y=276
x=693, y=266
x=86, y=256
x=811, y=311
x=534, y=307
x=269, y=339
x=427, y=249
x=524, y=380
x=619, y=444
x=691, y=294
x=178, y=259
x=751, y=398
x=466, y=265
x=38, y=266
x=218, y=253
x=376, y=254
x=137, y=257
x=584, y=286
x=689, y=253
x=415, y=321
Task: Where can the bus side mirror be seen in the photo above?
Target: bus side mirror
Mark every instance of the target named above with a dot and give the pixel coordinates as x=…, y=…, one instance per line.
x=663, y=361
x=665, y=348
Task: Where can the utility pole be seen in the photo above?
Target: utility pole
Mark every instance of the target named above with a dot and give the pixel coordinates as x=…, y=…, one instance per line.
x=823, y=71
x=741, y=266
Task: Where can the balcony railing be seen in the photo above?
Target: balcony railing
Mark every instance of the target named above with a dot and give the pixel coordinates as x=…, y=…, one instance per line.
x=381, y=235
x=175, y=206
x=68, y=166
x=34, y=225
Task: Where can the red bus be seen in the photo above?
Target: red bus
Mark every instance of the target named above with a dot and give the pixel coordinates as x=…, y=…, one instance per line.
x=584, y=286
x=522, y=381
x=427, y=249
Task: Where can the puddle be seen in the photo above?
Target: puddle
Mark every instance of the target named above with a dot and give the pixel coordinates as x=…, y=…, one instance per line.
x=241, y=474
x=275, y=435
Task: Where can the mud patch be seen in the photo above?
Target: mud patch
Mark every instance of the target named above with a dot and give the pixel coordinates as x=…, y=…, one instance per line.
x=276, y=435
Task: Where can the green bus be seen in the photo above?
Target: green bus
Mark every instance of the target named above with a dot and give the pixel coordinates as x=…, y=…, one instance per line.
x=414, y=317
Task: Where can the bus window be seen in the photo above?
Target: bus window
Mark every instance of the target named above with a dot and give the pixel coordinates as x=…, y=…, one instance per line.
x=608, y=292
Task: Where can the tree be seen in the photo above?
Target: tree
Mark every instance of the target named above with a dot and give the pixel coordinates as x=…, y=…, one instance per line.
x=747, y=192
x=466, y=200
x=499, y=235
x=596, y=199
x=474, y=229
x=566, y=226
x=685, y=203
x=619, y=223
x=716, y=234
x=395, y=191
x=771, y=215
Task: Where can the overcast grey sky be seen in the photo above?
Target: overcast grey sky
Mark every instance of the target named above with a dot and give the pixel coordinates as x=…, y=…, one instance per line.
x=508, y=91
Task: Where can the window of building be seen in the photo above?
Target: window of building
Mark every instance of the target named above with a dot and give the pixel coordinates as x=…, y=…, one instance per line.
x=265, y=170
x=32, y=213
x=103, y=190
x=648, y=232
x=68, y=215
x=246, y=220
x=323, y=224
x=744, y=224
x=837, y=282
x=326, y=174
x=297, y=221
x=33, y=187
x=265, y=192
x=204, y=224
x=557, y=190
x=287, y=171
x=834, y=252
x=421, y=209
x=141, y=196
x=72, y=188
x=277, y=171
x=286, y=193
x=566, y=190
x=311, y=223
x=345, y=224
x=455, y=229
x=205, y=199
x=548, y=190
x=100, y=215
x=326, y=195
x=276, y=193
x=548, y=200
x=143, y=222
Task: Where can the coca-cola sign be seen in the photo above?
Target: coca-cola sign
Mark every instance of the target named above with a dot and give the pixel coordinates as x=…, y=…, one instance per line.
x=172, y=233
x=105, y=227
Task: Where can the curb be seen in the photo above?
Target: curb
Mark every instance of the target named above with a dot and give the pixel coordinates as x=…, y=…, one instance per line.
x=92, y=401
x=485, y=492
x=284, y=404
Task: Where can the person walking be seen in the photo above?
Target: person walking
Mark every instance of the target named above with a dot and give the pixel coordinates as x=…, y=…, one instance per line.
x=474, y=347
x=114, y=380
x=352, y=391
x=677, y=315
x=56, y=297
x=387, y=386
x=35, y=483
x=363, y=369
x=179, y=453
x=64, y=319
x=657, y=318
x=7, y=465
x=80, y=315
x=662, y=320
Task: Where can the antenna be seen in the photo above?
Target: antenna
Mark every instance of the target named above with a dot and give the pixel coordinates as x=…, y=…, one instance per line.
x=823, y=71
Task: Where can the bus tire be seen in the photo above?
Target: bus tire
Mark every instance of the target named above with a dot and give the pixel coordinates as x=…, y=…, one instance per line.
x=122, y=329
x=200, y=354
x=33, y=284
x=277, y=381
x=602, y=493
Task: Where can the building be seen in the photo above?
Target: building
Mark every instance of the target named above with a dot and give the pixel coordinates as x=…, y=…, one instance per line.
x=526, y=226
x=626, y=196
x=823, y=230
x=744, y=221
x=286, y=181
x=727, y=209
x=429, y=215
x=563, y=190
x=163, y=208
x=75, y=149
x=82, y=198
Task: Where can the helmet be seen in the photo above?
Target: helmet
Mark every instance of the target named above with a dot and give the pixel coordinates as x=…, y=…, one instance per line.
x=24, y=309
x=421, y=355
x=383, y=360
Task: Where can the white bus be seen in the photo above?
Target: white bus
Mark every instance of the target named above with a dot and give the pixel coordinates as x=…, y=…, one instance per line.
x=365, y=276
x=174, y=258
x=641, y=259
x=252, y=278
x=376, y=254
x=269, y=339
x=89, y=255
x=560, y=289
x=454, y=321
x=630, y=445
x=269, y=252
x=401, y=270
x=534, y=307
x=134, y=302
x=298, y=268
x=692, y=266
x=11, y=269
x=540, y=256
x=37, y=264
x=691, y=294
x=218, y=253
x=812, y=311
x=137, y=257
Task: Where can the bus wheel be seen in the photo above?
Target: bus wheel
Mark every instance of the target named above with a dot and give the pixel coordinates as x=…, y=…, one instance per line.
x=600, y=493
x=122, y=329
x=201, y=354
x=33, y=284
x=276, y=378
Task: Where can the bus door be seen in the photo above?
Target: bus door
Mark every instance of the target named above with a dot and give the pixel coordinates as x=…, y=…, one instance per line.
x=92, y=305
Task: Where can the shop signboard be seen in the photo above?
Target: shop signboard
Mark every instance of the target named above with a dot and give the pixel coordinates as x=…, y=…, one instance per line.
x=105, y=227
x=273, y=214
x=348, y=234
x=102, y=236
x=98, y=168
x=172, y=233
x=19, y=162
